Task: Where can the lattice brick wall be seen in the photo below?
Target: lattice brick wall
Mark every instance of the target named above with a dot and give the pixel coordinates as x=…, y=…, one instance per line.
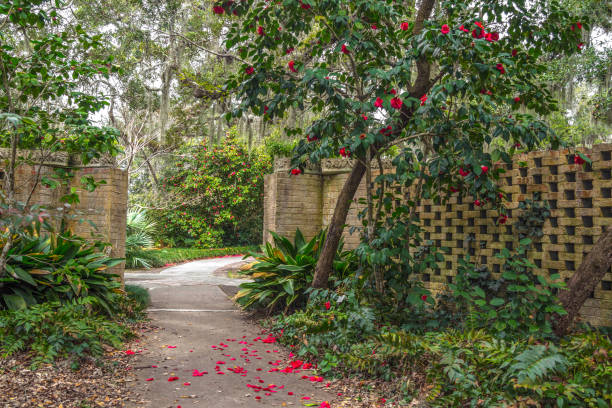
x=580, y=200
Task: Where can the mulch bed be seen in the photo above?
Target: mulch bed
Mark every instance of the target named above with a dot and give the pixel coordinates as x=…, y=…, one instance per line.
x=101, y=383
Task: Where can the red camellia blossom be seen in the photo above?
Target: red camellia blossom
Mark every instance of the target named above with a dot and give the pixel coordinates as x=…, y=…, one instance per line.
x=517, y=99
x=503, y=218
x=478, y=33
x=484, y=169
x=404, y=26
x=345, y=50
x=514, y=52
x=249, y=70
x=295, y=172
x=500, y=68
x=374, y=27
x=465, y=30
x=292, y=66
x=327, y=305
x=364, y=117
x=477, y=203
x=304, y=6
x=362, y=136
x=260, y=30
x=578, y=159
x=393, y=92
x=453, y=190
x=129, y=352
x=172, y=379
x=479, y=24
x=396, y=103
x=311, y=138
x=344, y=152
x=289, y=50
x=580, y=46
x=423, y=99
x=579, y=25
x=218, y=10
x=266, y=109
x=463, y=173
x=424, y=298
x=378, y=103
x=325, y=404
x=445, y=29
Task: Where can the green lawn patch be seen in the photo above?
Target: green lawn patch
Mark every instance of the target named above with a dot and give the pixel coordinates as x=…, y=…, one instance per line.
x=167, y=256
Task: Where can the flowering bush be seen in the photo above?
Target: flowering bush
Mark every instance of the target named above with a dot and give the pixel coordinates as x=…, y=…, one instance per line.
x=216, y=196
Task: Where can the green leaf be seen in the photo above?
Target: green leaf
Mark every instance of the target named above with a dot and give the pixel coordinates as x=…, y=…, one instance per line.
x=497, y=302
x=14, y=302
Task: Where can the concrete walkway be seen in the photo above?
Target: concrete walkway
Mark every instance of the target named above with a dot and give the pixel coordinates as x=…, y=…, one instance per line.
x=201, y=329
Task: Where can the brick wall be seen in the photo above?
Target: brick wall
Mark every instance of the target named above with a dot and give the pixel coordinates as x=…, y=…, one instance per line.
x=105, y=207
x=580, y=200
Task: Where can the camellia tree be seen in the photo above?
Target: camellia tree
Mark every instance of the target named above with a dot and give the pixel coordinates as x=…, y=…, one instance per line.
x=453, y=84
x=216, y=195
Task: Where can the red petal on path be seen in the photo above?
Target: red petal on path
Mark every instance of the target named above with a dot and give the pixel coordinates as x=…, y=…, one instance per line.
x=186, y=383
x=153, y=366
x=149, y=379
x=173, y=378
x=289, y=393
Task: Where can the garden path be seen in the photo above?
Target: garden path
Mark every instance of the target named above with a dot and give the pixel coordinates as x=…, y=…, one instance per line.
x=199, y=329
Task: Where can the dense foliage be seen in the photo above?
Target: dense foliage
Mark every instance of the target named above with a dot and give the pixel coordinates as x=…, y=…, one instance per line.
x=45, y=266
x=216, y=197
x=283, y=274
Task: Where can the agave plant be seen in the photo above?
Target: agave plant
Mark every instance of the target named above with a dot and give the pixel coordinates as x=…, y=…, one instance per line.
x=284, y=272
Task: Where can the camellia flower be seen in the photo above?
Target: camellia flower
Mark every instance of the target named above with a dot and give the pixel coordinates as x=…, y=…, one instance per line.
x=396, y=103
x=424, y=298
x=378, y=103
x=304, y=5
x=362, y=136
x=484, y=169
x=327, y=305
x=374, y=27
x=477, y=203
x=423, y=99
x=404, y=26
x=463, y=173
x=453, y=189
x=465, y=30
x=324, y=404
x=345, y=50
x=364, y=117
x=295, y=172
x=517, y=99
x=578, y=159
x=311, y=138
x=445, y=29
x=129, y=352
x=580, y=46
x=479, y=24
x=344, y=152
x=218, y=10
x=292, y=66
x=579, y=25
x=260, y=30
x=503, y=218
x=289, y=50
x=500, y=68
x=249, y=70
x=514, y=52
x=478, y=33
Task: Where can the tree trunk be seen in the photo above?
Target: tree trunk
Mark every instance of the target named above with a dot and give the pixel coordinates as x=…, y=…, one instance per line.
x=336, y=226
x=584, y=281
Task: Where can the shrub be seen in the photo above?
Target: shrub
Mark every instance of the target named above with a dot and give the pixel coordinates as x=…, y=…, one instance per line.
x=283, y=273
x=49, y=266
x=56, y=330
x=216, y=195
x=139, y=296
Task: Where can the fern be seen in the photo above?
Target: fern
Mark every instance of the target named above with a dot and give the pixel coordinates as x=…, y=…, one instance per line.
x=536, y=363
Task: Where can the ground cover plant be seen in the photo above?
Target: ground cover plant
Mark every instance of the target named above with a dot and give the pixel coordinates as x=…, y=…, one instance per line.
x=158, y=257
